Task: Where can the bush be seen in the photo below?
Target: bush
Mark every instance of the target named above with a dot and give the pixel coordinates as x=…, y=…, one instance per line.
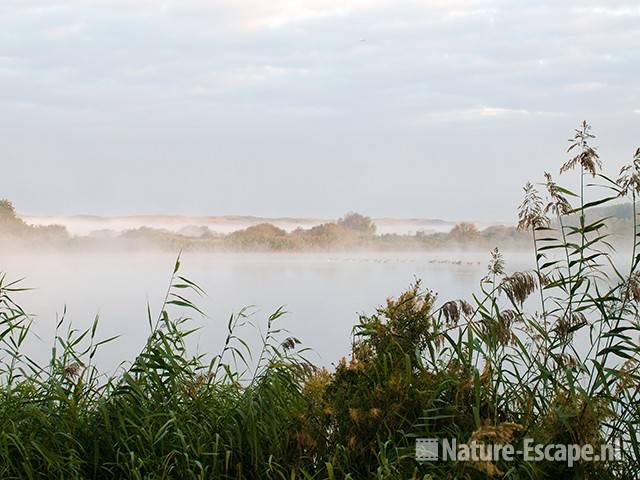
x=358, y=223
x=496, y=370
x=261, y=237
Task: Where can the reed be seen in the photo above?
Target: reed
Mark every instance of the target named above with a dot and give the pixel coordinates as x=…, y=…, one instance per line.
x=501, y=366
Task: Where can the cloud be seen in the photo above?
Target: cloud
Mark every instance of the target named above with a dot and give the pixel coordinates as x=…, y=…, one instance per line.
x=461, y=57
x=479, y=113
x=224, y=82
x=300, y=90
x=584, y=87
x=614, y=11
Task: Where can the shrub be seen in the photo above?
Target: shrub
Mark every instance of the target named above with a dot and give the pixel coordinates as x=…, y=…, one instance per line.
x=261, y=237
x=358, y=223
x=498, y=369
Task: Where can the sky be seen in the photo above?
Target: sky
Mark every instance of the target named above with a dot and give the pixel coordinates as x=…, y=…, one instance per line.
x=432, y=109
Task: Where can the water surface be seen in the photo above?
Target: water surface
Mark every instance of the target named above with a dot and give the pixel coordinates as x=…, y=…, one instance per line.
x=322, y=293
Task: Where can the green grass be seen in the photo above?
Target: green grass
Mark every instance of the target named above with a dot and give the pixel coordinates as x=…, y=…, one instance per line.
x=499, y=368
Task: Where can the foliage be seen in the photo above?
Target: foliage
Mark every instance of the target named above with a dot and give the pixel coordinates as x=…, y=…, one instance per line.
x=13, y=228
x=358, y=222
x=509, y=364
x=260, y=237
x=9, y=221
x=353, y=231
x=464, y=232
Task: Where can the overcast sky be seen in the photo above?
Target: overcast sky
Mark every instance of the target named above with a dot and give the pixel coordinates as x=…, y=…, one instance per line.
x=309, y=108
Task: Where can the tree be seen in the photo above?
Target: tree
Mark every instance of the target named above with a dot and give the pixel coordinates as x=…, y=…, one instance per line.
x=9, y=221
x=464, y=231
x=359, y=223
x=7, y=211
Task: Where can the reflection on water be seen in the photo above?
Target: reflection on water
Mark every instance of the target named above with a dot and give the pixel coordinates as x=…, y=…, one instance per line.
x=322, y=293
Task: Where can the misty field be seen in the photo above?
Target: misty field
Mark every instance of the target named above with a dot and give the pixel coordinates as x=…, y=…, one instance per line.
x=501, y=368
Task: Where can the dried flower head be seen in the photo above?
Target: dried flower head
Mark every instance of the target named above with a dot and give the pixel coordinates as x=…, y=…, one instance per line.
x=587, y=158
x=530, y=213
x=545, y=280
x=519, y=286
x=451, y=312
x=466, y=308
x=496, y=264
x=629, y=179
x=290, y=343
x=504, y=331
x=633, y=287
x=558, y=205
x=499, y=327
x=566, y=326
x=73, y=369
x=628, y=376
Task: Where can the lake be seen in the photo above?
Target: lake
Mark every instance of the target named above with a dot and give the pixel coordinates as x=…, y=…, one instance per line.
x=322, y=293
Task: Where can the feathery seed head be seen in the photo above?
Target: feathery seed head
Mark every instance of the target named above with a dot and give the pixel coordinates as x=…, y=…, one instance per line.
x=587, y=158
x=530, y=212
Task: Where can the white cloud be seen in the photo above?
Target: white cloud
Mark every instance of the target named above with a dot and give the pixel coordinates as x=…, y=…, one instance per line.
x=478, y=114
x=72, y=30
x=618, y=11
x=584, y=87
x=227, y=81
x=192, y=77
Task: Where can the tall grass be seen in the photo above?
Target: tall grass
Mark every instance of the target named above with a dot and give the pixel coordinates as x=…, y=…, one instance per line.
x=560, y=366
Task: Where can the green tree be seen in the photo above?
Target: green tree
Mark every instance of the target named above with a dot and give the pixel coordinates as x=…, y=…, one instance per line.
x=359, y=223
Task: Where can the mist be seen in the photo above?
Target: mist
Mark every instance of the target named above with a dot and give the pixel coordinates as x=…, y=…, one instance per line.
x=316, y=290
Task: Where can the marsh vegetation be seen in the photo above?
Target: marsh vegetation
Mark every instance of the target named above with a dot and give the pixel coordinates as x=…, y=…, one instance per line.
x=499, y=368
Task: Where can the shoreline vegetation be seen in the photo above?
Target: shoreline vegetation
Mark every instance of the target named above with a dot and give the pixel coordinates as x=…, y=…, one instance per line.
x=506, y=367
x=352, y=232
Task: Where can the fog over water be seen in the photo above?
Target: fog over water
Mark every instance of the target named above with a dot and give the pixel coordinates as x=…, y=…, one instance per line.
x=322, y=293
x=91, y=224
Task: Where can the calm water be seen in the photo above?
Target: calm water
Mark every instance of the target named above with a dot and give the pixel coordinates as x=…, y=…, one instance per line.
x=322, y=293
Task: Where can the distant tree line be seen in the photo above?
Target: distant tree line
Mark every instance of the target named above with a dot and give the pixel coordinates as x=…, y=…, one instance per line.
x=352, y=231
x=13, y=228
